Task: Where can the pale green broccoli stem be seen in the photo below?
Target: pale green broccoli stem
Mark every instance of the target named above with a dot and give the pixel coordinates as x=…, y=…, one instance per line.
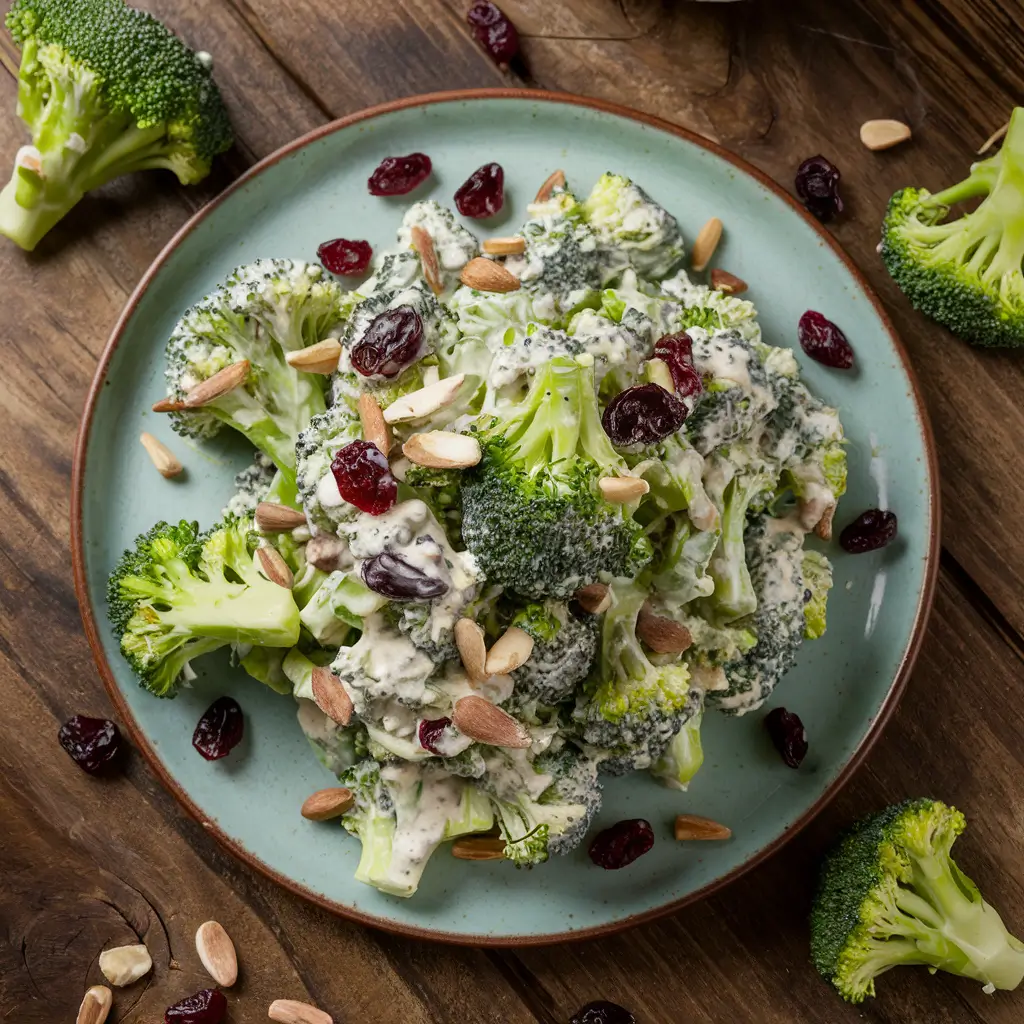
x=683, y=757
x=621, y=649
x=734, y=595
x=376, y=832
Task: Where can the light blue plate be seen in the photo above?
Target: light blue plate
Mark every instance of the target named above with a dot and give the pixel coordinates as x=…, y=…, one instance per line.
x=845, y=685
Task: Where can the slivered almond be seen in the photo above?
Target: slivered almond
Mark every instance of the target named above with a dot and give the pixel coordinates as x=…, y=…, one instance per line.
x=291, y=1011
x=485, y=722
x=556, y=179
x=723, y=281
x=168, y=405
x=275, y=568
x=658, y=373
x=469, y=638
x=993, y=139
x=95, y=1005
x=219, y=384
x=319, y=358
x=479, y=848
x=375, y=429
x=883, y=133
x=662, y=635
x=823, y=528
x=325, y=804
x=622, y=489
x=706, y=243
x=124, y=965
x=441, y=449
x=327, y=553
x=273, y=518
x=690, y=826
x=512, y=649
x=330, y=696
x=424, y=245
x=513, y=245
x=161, y=456
x=487, y=276
x=217, y=953
x=426, y=401
x=595, y=598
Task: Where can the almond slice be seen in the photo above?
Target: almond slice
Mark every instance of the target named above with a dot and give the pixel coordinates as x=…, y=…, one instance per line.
x=513, y=245
x=662, y=635
x=330, y=696
x=169, y=405
x=730, y=284
x=219, y=384
x=690, y=826
x=291, y=1011
x=556, y=179
x=375, y=428
x=424, y=245
x=622, y=489
x=487, y=276
x=426, y=401
x=883, y=134
x=275, y=568
x=217, y=953
x=441, y=449
x=479, y=848
x=124, y=965
x=485, y=722
x=706, y=243
x=319, y=358
x=993, y=139
x=595, y=598
x=657, y=372
x=469, y=638
x=326, y=552
x=823, y=528
x=273, y=518
x=161, y=456
x=512, y=649
x=325, y=804
x=95, y=1005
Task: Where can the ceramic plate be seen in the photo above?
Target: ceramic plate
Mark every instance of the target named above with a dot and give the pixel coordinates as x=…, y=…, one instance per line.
x=845, y=685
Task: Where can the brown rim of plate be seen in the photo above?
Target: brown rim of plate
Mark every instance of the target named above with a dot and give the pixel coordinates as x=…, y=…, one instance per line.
x=885, y=711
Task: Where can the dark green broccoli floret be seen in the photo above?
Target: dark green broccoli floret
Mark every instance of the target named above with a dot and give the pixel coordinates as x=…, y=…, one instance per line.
x=440, y=489
x=891, y=893
x=574, y=784
x=105, y=90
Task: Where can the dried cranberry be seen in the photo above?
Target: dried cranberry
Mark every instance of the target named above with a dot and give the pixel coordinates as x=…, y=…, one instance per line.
x=620, y=845
x=676, y=350
x=823, y=341
x=397, y=175
x=364, y=478
x=205, y=1007
x=643, y=414
x=395, y=578
x=392, y=342
x=345, y=257
x=93, y=743
x=870, y=531
x=431, y=731
x=817, y=184
x=788, y=734
x=220, y=729
x=602, y=1012
x=494, y=32
x=482, y=194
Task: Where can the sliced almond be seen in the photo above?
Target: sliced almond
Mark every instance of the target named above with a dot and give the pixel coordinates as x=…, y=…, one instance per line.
x=273, y=518
x=161, y=456
x=424, y=245
x=690, y=826
x=95, y=1005
x=326, y=552
x=124, y=965
x=883, y=133
x=219, y=384
x=706, y=243
x=319, y=358
x=657, y=372
x=479, y=848
x=330, y=696
x=709, y=678
x=426, y=401
x=275, y=568
x=823, y=528
x=485, y=722
x=723, y=281
x=217, y=953
x=622, y=489
x=512, y=245
x=487, y=276
x=469, y=638
x=595, y=598
x=512, y=649
x=325, y=804
x=556, y=179
x=375, y=429
x=169, y=405
x=662, y=635
x=441, y=449
x=291, y=1011
x=993, y=139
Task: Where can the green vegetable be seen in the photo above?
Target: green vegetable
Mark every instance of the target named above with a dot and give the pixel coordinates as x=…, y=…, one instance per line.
x=683, y=756
x=817, y=572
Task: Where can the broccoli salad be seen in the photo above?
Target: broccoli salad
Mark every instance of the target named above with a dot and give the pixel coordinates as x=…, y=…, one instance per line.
x=524, y=511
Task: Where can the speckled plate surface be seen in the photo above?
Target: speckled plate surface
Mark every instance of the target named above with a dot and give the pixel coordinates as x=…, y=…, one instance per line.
x=845, y=685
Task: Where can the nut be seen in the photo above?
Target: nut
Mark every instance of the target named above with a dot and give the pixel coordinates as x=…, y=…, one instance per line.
x=162, y=457
x=95, y=1005
x=595, y=598
x=883, y=134
x=319, y=358
x=823, y=528
x=662, y=635
x=424, y=245
x=291, y=1011
x=513, y=245
x=556, y=179
x=168, y=405
x=657, y=372
x=706, y=243
x=375, y=429
x=217, y=953
x=273, y=518
x=993, y=139
x=469, y=638
x=441, y=449
x=275, y=568
x=690, y=826
x=326, y=552
x=723, y=281
x=479, y=848
x=487, y=276
x=330, y=696
x=485, y=722
x=426, y=401
x=325, y=804
x=622, y=489
x=512, y=649
x=219, y=384
x=125, y=964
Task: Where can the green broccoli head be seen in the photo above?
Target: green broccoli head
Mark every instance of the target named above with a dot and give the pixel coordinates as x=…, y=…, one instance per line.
x=683, y=756
x=890, y=893
x=315, y=448
x=105, y=90
x=817, y=572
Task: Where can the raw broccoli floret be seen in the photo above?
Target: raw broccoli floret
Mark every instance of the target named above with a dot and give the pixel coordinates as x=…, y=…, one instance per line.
x=441, y=491
x=454, y=245
x=338, y=606
x=631, y=298
x=683, y=554
x=683, y=756
x=177, y=595
x=105, y=90
x=817, y=573
x=619, y=348
x=532, y=512
x=890, y=893
x=574, y=784
x=520, y=356
x=315, y=448
x=966, y=273
x=252, y=485
x=711, y=309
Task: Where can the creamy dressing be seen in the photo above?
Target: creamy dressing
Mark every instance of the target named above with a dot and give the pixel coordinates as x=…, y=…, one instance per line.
x=454, y=245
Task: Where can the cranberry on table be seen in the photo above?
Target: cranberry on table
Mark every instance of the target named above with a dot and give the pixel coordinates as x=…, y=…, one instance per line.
x=788, y=734
x=870, y=531
x=494, y=32
x=602, y=1012
x=817, y=184
x=392, y=576
x=482, y=194
x=220, y=729
x=398, y=175
x=94, y=744
x=392, y=342
x=363, y=475
x=824, y=342
x=430, y=731
x=205, y=1007
x=618, y=846
x=643, y=414
x=345, y=257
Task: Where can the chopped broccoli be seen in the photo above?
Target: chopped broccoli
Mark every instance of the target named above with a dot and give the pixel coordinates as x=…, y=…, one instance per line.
x=338, y=606
x=315, y=448
x=521, y=354
x=252, y=485
x=711, y=309
x=817, y=573
x=683, y=756
x=453, y=244
x=441, y=491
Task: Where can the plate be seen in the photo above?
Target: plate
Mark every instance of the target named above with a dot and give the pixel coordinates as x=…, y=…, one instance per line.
x=845, y=685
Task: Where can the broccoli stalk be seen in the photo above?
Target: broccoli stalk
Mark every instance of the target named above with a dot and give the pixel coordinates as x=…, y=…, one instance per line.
x=683, y=756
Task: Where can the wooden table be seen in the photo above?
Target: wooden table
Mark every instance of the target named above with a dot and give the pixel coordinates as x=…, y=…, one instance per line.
x=85, y=864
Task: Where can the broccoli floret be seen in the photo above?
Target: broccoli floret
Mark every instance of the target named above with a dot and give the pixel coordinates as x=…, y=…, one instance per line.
x=495, y=319
x=637, y=301
x=965, y=273
x=338, y=606
x=711, y=309
x=890, y=893
x=683, y=756
x=252, y=485
x=336, y=747
x=441, y=491
x=105, y=90
x=522, y=354
x=619, y=348
x=574, y=784
x=680, y=570
x=817, y=573
x=532, y=513
x=177, y=595
x=315, y=448
x=454, y=245
x=674, y=469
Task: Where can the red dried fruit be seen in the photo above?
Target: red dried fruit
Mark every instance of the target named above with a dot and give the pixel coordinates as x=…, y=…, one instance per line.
x=220, y=729
x=94, y=744
x=823, y=341
x=494, y=32
x=482, y=194
x=676, y=350
x=394, y=578
x=431, y=731
x=345, y=256
x=602, y=1012
x=205, y=1007
x=392, y=342
x=870, y=531
x=817, y=184
x=788, y=734
x=643, y=414
x=398, y=175
x=618, y=846
x=364, y=478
